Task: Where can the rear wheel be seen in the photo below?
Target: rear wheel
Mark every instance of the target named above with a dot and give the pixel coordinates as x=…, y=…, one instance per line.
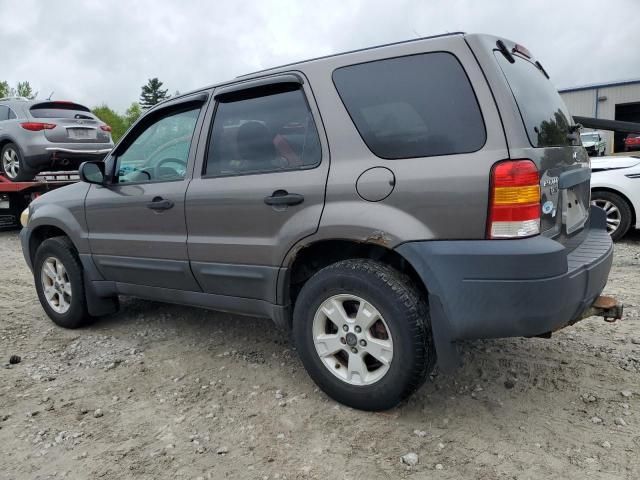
x=59, y=283
x=362, y=330
x=617, y=210
x=13, y=164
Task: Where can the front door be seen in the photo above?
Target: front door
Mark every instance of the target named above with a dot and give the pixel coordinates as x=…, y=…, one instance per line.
x=260, y=187
x=136, y=224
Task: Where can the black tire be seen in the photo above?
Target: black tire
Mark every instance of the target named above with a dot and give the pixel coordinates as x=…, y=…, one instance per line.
x=63, y=250
x=405, y=312
x=623, y=207
x=23, y=174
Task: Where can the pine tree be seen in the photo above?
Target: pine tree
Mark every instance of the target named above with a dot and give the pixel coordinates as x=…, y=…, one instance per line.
x=152, y=93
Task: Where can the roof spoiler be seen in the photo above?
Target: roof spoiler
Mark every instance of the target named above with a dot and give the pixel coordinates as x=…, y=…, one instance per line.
x=613, y=125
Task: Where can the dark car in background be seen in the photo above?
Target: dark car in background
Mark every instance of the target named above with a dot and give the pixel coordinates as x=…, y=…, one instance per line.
x=38, y=135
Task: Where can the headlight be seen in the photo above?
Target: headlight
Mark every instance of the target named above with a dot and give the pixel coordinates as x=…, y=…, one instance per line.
x=24, y=217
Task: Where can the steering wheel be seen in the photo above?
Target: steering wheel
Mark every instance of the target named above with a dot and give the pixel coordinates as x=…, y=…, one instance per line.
x=158, y=168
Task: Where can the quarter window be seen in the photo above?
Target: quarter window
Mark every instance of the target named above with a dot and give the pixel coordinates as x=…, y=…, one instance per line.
x=259, y=133
x=414, y=106
x=161, y=151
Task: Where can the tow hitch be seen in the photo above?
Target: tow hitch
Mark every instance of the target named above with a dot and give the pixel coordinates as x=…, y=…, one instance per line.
x=607, y=307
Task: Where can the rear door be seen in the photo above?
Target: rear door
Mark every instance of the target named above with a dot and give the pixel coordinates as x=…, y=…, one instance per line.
x=529, y=98
x=260, y=186
x=136, y=224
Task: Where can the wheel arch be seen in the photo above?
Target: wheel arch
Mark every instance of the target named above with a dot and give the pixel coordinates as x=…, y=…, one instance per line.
x=41, y=233
x=6, y=140
x=311, y=258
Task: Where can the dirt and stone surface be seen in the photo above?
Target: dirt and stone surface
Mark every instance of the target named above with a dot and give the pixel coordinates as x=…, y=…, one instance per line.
x=160, y=391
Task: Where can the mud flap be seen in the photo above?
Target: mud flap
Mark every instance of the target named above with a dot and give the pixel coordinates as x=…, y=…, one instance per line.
x=98, y=306
x=449, y=358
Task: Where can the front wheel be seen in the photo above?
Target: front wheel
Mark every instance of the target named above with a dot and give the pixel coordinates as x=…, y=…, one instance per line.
x=617, y=210
x=59, y=283
x=362, y=330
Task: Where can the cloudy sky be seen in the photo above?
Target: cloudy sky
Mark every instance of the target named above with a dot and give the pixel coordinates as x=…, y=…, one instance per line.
x=103, y=51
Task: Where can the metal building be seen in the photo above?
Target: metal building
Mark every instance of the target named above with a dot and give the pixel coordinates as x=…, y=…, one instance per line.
x=610, y=101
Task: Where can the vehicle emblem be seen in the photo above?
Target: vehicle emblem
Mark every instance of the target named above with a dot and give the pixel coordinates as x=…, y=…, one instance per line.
x=575, y=155
x=547, y=207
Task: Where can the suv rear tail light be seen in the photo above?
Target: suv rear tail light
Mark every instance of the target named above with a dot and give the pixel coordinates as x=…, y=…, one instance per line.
x=105, y=128
x=37, y=126
x=514, y=203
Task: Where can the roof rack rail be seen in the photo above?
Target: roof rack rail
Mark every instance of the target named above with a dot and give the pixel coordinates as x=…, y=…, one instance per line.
x=14, y=98
x=431, y=37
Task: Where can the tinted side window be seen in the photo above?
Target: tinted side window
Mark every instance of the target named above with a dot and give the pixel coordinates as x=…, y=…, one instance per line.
x=161, y=151
x=4, y=113
x=12, y=114
x=260, y=134
x=415, y=106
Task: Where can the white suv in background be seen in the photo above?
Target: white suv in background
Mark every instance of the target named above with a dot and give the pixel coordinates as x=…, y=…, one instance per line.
x=594, y=143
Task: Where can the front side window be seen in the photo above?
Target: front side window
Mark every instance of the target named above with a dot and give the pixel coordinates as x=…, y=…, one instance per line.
x=264, y=133
x=4, y=113
x=414, y=106
x=161, y=151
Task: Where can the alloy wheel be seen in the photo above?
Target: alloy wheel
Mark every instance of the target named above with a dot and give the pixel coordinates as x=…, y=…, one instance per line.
x=10, y=163
x=352, y=339
x=56, y=285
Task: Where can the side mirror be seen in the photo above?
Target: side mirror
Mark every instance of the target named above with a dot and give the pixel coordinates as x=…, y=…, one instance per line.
x=92, y=172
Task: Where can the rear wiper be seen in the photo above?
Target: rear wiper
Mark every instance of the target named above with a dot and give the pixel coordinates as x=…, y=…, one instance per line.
x=505, y=51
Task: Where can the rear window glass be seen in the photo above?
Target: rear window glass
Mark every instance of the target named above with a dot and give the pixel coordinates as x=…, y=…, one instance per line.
x=60, y=110
x=415, y=106
x=544, y=114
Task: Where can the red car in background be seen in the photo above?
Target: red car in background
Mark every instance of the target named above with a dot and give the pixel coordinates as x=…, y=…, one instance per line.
x=632, y=142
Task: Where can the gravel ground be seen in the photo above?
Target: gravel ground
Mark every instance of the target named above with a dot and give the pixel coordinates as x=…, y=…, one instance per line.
x=161, y=391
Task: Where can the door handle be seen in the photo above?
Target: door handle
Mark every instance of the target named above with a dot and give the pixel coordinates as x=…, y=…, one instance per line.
x=282, y=197
x=159, y=203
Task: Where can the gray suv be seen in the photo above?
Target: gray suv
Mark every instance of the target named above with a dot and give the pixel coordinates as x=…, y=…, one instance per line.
x=38, y=135
x=383, y=204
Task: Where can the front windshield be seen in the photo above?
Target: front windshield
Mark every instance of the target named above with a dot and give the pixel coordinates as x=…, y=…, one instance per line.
x=589, y=137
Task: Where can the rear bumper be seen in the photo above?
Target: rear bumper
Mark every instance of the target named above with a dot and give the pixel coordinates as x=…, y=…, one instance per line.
x=53, y=155
x=511, y=288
